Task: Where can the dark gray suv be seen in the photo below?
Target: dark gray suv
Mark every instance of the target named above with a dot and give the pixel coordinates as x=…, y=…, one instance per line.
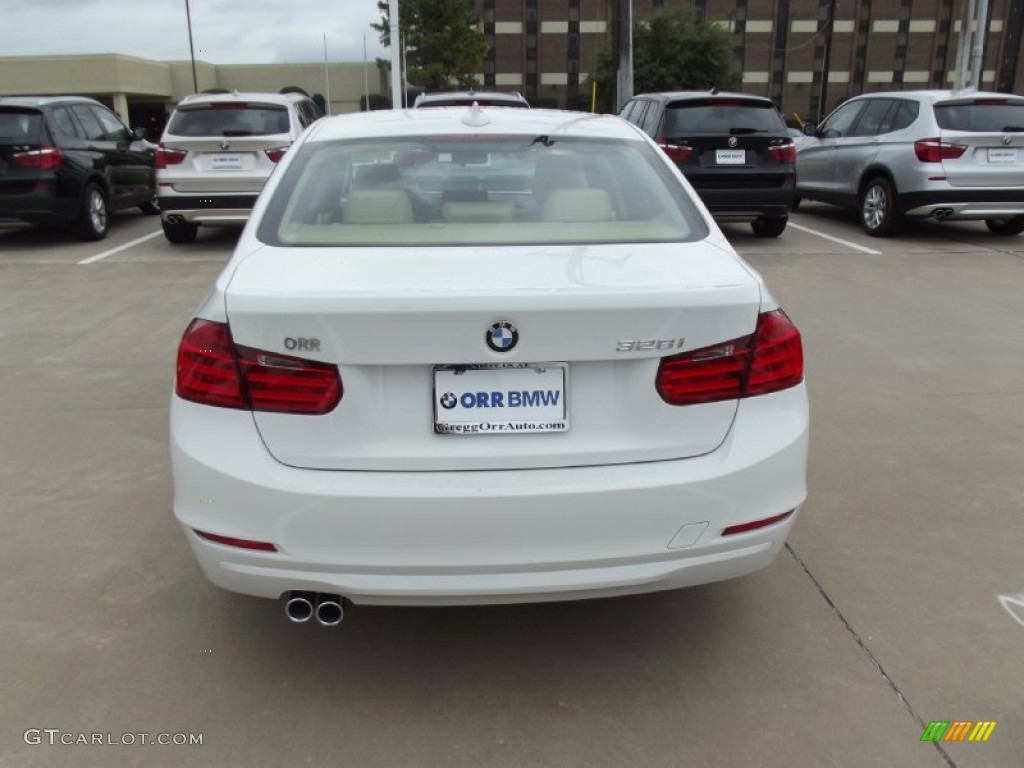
x=943, y=155
x=732, y=147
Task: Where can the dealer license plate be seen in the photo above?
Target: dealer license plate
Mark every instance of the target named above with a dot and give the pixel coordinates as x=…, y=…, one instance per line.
x=730, y=156
x=500, y=399
x=226, y=162
x=1002, y=155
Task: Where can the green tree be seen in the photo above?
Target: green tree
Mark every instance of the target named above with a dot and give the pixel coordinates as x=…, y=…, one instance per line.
x=672, y=50
x=443, y=41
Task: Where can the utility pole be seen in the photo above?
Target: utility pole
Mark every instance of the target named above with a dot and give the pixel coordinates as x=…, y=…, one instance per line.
x=366, y=77
x=624, y=79
x=327, y=78
x=964, y=45
x=191, y=49
x=978, y=51
x=396, y=56
x=826, y=60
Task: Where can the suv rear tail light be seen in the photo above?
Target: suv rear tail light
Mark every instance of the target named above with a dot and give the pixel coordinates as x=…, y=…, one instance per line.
x=935, y=151
x=165, y=157
x=45, y=158
x=213, y=371
x=784, y=153
x=677, y=152
x=770, y=360
x=276, y=153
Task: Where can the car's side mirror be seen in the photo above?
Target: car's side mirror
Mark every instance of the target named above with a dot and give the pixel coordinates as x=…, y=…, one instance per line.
x=810, y=129
x=138, y=133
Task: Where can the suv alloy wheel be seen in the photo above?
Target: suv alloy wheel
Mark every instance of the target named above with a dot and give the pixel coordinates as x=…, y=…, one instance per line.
x=94, y=219
x=878, y=211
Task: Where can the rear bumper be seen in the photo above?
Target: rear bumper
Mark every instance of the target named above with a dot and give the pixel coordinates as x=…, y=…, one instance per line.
x=963, y=203
x=443, y=538
x=769, y=196
x=211, y=210
x=39, y=208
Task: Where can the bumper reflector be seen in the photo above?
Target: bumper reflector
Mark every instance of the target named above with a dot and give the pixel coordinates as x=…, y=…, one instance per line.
x=744, y=527
x=263, y=546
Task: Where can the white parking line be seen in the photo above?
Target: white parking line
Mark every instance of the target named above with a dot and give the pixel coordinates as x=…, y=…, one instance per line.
x=839, y=240
x=120, y=248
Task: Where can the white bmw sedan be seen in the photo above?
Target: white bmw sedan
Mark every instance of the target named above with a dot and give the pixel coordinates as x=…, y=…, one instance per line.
x=482, y=355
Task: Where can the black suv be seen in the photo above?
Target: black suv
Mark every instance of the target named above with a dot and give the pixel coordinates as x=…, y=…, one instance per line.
x=733, y=148
x=69, y=159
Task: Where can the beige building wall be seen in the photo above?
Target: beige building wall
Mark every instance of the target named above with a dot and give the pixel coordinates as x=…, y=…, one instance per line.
x=127, y=80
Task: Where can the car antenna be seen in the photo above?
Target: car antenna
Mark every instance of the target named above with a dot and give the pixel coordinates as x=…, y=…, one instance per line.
x=475, y=116
x=714, y=90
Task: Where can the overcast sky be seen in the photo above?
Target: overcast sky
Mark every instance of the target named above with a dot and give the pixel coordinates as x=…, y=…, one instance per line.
x=224, y=31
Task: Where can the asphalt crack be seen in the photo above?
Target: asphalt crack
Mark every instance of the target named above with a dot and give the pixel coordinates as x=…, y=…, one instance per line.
x=867, y=652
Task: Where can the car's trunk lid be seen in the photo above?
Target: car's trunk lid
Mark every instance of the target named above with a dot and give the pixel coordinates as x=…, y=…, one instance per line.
x=388, y=316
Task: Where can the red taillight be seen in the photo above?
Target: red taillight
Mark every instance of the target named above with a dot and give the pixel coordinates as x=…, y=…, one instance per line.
x=935, y=151
x=286, y=384
x=784, y=153
x=276, y=153
x=768, y=361
x=231, y=541
x=213, y=371
x=207, y=366
x=165, y=157
x=677, y=152
x=753, y=526
x=44, y=159
x=778, y=361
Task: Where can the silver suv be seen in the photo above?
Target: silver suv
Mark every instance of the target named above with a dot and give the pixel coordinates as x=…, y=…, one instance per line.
x=919, y=154
x=218, y=151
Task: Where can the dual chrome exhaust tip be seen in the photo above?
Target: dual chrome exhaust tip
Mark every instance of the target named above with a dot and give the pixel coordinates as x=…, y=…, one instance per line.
x=174, y=218
x=328, y=610
x=942, y=213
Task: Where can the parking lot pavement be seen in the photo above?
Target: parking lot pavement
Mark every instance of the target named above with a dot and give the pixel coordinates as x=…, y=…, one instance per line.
x=909, y=537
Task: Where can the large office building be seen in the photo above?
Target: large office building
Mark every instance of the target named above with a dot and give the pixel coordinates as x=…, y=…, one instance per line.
x=546, y=48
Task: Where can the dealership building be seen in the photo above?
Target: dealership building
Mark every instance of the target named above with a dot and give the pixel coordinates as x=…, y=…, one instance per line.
x=547, y=48
x=143, y=92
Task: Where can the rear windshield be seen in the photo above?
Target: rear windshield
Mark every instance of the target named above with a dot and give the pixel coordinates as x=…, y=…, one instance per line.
x=229, y=119
x=20, y=126
x=472, y=190
x=732, y=118
x=988, y=116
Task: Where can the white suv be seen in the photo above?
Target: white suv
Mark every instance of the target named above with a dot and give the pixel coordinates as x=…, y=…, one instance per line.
x=218, y=151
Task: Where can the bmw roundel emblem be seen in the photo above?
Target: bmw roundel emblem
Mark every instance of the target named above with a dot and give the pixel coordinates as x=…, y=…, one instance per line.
x=733, y=141
x=502, y=336
x=448, y=401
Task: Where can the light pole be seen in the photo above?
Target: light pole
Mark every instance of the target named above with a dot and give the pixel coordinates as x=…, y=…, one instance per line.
x=396, y=55
x=191, y=49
